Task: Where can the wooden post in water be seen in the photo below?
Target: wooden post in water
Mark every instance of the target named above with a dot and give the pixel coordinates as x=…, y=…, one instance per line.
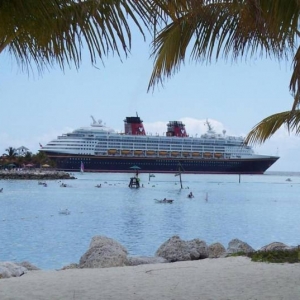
x=179, y=174
x=180, y=180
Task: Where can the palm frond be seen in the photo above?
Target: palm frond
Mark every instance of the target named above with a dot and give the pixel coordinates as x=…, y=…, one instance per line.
x=45, y=32
x=268, y=126
x=172, y=41
x=228, y=29
x=295, y=79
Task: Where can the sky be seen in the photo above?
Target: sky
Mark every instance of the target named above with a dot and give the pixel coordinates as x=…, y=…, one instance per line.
x=233, y=96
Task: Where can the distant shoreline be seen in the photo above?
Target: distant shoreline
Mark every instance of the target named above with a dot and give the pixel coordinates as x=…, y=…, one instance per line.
x=282, y=173
x=34, y=174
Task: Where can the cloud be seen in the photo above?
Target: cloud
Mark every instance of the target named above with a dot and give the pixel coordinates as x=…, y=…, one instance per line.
x=193, y=126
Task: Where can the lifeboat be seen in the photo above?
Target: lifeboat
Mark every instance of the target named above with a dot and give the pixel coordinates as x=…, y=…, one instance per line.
x=138, y=152
x=175, y=153
x=207, y=154
x=195, y=154
x=218, y=155
x=163, y=153
x=125, y=152
x=150, y=152
x=185, y=154
x=112, y=151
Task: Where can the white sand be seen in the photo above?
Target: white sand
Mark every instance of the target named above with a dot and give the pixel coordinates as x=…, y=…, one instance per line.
x=223, y=278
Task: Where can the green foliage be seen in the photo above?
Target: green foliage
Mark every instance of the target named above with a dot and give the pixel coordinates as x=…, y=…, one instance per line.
x=41, y=158
x=11, y=153
x=209, y=30
x=38, y=159
x=268, y=126
x=46, y=32
x=276, y=256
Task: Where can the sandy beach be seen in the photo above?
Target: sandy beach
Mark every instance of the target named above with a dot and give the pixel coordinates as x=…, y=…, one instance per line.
x=224, y=278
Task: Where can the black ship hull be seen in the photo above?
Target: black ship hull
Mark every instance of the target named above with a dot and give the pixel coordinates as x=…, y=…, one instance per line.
x=71, y=163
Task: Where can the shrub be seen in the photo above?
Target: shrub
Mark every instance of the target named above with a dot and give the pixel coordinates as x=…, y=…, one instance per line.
x=276, y=256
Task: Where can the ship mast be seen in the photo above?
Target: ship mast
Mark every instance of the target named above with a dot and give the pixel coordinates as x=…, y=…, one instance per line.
x=210, y=127
x=94, y=121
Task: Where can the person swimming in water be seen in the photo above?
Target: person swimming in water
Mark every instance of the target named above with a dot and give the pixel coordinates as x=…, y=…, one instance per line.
x=190, y=195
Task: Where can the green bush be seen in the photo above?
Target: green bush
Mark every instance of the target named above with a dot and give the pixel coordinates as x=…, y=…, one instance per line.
x=276, y=256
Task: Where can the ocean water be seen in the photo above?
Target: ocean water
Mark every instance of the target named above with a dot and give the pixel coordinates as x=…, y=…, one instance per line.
x=259, y=209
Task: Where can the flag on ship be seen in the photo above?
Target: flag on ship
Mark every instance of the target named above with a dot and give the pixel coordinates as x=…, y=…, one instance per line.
x=41, y=145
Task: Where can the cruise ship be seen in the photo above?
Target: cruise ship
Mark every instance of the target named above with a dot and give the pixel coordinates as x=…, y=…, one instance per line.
x=101, y=149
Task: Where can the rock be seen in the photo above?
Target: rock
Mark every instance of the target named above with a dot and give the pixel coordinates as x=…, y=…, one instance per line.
x=142, y=260
x=28, y=266
x=70, y=266
x=104, y=252
x=237, y=245
x=9, y=269
x=34, y=175
x=99, y=241
x=275, y=246
x=175, y=249
x=216, y=250
x=198, y=249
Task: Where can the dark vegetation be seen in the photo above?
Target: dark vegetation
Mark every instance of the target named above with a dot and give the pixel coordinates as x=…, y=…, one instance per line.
x=12, y=159
x=274, y=256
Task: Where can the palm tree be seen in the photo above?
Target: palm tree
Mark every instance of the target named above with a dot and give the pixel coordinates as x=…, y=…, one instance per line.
x=41, y=158
x=232, y=29
x=11, y=153
x=46, y=32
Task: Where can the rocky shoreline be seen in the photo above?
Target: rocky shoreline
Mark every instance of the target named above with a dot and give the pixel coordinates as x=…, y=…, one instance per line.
x=104, y=252
x=35, y=174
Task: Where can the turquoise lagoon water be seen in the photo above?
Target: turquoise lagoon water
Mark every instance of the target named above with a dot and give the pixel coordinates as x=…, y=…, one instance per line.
x=259, y=210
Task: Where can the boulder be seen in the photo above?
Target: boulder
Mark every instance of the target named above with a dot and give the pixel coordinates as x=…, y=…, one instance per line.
x=142, y=260
x=99, y=241
x=9, y=269
x=216, y=250
x=28, y=266
x=104, y=252
x=237, y=245
x=176, y=249
x=198, y=249
x=275, y=246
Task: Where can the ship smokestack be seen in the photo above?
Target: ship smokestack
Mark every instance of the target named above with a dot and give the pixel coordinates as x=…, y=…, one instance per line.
x=134, y=126
x=176, y=128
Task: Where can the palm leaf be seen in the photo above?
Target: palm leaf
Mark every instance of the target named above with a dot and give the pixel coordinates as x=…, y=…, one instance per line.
x=268, y=126
x=228, y=29
x=46, y=32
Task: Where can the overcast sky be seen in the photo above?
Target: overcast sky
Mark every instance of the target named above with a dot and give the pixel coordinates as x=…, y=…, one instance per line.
x=234, y=97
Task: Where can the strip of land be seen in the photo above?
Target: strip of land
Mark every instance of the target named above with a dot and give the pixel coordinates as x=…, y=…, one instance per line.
x=35, y=174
